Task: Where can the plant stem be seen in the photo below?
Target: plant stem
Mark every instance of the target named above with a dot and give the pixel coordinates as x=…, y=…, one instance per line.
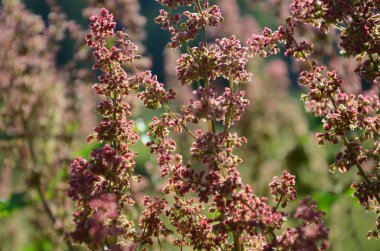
x=271, y=230
x=165, y=105
x=360, y=169
x=199, y=8
x=140, y=245
x=279, y=201
x=41, y=195
x=159, y=243
x=237, y=242
x=211, y=123
x=365, y=177
x=303, y=54
x=229, y=109
x=114, y=100
x=339, y=27
x=373, y=61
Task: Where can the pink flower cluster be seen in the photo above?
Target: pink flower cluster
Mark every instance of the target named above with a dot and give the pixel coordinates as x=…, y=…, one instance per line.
x=209, y=106
x=96, y=185
x=282, y=188
x=183, y=31
x=348, y=118
x=235, y=210
x=226, y=58
x=308, y=235
x=266, y=44
x=359, y=36
x=101, y=185
x=322, y=86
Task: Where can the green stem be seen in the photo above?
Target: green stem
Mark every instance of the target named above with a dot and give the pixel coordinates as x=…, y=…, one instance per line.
x=229, y=109
x=273, y=235
x=140, y=245
x=181, y=122
x=211, y=123
x=365, y=177
x=237, y=242
x=303, y=54
x=339, y=27
x=199, y=8
x=42, y=197
x=279, y=201
x=373, y=62
x=159, y=243
x=188, y=49
x=114, y=100
x=271, y=230
x=361, y=172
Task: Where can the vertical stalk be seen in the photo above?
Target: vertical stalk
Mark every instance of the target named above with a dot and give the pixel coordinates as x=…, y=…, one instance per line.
x=279, y=202
x=373, y=61
x=165, y=105
x=365, y=177
x=42, y=197
x=114, y=100
x=237, y=246
x=229, y=109
x=159, y=243
x=199, y=8
x=211, y=123
x=361, y=171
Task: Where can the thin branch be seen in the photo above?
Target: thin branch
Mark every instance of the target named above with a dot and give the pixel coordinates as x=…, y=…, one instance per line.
x=211, y=123
x=346, y=142
x=279, y=202
x=165, y=105
x=41, y=194
x=204, y=33
x=237, y=245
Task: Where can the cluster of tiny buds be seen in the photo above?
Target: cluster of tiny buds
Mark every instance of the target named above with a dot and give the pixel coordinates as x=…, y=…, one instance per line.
x=183, y=31
x=282, y=188
x=225, y=58
x=266, y=43
x=358, y=36
x=206, y=203
x=210, y=106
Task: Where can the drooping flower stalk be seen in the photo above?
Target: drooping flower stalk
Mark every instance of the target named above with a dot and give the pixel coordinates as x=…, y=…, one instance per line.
x=347, y=118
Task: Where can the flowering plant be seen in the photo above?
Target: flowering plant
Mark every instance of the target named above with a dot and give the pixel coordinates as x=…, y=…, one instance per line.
x=348, y=118
x=207, y=206
x=182, y=163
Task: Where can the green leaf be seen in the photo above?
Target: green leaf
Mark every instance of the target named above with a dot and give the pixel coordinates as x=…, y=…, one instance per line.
x=87, y=149
x=325, y=200
x=15, y=202
x=43, y=245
